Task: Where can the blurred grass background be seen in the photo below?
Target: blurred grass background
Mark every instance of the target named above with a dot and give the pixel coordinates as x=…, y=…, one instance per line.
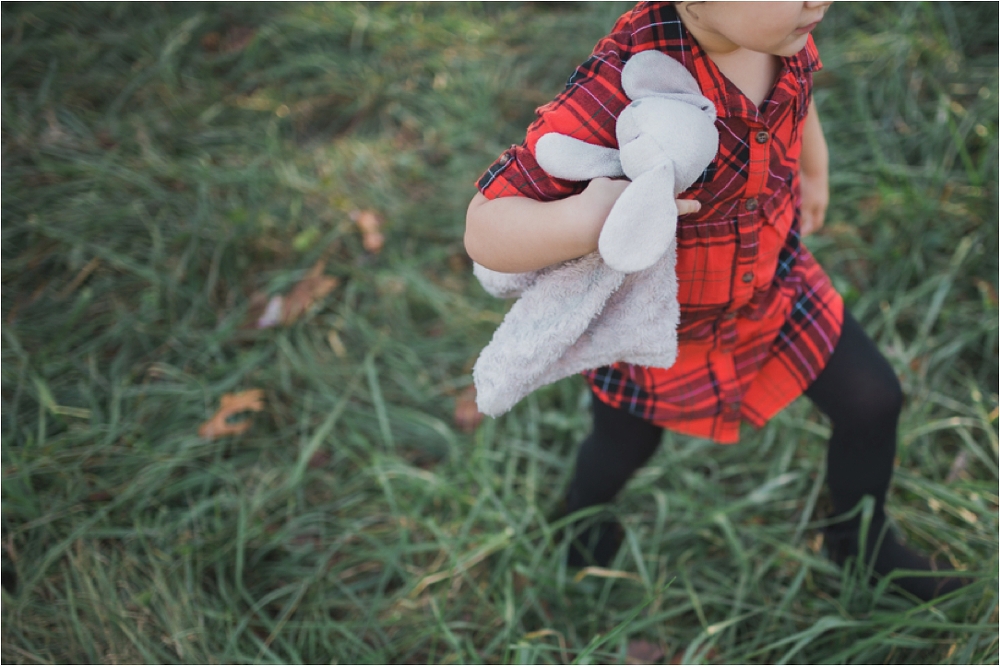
x=165, y=163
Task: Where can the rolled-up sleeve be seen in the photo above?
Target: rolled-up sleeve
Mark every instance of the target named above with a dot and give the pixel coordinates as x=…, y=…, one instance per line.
x=587, y=109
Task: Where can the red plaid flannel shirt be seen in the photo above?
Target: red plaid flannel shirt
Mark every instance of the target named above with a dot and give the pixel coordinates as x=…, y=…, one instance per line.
x=759, y=317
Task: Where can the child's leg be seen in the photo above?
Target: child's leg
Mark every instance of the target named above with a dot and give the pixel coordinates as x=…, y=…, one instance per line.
x=618, y=445
x=860, y=393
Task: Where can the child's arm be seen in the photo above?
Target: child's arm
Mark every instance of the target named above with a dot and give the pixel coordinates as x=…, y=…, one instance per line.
x=518, y=234
x=814, y=178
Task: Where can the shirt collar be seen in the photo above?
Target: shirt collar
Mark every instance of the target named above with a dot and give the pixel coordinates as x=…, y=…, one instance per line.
x=728, y=99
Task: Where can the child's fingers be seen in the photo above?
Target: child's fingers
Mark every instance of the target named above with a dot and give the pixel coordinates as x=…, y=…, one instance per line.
x=686, y=206
x=812, y=218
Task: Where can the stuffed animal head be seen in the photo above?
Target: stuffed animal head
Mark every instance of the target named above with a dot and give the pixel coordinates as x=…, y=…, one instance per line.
x=666, y=138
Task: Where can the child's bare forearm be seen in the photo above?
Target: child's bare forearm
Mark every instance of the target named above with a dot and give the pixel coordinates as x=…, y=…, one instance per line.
x=814, y=179
x=815, y=155
x=517, y=234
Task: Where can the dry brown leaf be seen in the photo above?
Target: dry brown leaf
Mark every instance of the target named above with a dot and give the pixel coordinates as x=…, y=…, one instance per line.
x=319, y=459
x=467, y=415
x=312, y=288
x=285, y=309
x=232, y=404
x=237, y=38
x=643, y=652
x=106, y=140
x=370, y=225
x=210, y=42
x=255, y=310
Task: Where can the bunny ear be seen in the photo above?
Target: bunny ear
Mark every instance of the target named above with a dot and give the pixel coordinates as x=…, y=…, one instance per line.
x=655, y=73
x=643, y=222
x=571, y=159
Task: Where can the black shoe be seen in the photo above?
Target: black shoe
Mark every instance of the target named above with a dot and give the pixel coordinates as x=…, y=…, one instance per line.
x=842, y=544
x=594, y=540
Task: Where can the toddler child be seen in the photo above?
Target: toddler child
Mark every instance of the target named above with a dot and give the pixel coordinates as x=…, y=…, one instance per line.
x=760, y=321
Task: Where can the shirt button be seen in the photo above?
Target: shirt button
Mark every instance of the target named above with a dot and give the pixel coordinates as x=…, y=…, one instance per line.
x=750, y=204
x=733, y=406
x=747, y=277
x=729, y=316
x=762, y=137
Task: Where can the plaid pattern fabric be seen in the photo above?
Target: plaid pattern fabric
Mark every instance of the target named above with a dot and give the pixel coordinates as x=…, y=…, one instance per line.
x=759, y=317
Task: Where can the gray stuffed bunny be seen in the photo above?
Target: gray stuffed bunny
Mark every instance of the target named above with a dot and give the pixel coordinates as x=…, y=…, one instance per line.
x=620, y=303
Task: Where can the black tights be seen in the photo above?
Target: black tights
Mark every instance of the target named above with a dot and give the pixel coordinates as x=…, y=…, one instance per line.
x=861, y=395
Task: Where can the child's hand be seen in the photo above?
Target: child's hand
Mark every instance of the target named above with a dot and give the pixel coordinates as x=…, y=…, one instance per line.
x=686, y=206
x=602, y=193
x=815, y=190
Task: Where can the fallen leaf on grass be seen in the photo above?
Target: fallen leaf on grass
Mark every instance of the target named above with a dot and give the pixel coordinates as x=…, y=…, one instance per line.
x=313, y=287
x=232, y=404
x=370, y=225
x=284, y=309
x=236, y=38
x=319, y=459
x=210, y=42
x=643, y=652
x=467, y=415
x=106, y=140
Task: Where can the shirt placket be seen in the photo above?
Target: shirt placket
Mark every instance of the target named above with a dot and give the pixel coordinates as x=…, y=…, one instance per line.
x=744, y=275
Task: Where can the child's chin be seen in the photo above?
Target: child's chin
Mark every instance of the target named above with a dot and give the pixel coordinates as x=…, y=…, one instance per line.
x=794, y=46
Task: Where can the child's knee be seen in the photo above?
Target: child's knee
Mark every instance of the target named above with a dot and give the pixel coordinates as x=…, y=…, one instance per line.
x=878, y=401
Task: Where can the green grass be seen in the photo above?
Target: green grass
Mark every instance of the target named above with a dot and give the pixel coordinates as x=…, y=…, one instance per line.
x=164, y=162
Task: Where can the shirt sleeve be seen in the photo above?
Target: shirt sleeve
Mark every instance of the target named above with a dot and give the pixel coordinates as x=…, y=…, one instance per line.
x=587, y=109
